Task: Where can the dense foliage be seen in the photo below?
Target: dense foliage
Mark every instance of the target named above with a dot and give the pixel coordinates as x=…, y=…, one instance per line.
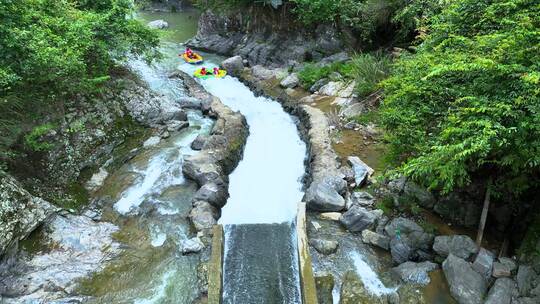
x=52, y=50
x=467, y=105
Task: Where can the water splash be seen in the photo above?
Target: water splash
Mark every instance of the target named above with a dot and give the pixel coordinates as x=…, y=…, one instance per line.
x=368, y=276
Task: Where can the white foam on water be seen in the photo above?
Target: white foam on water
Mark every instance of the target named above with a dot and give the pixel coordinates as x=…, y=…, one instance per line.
x=368, y=276
x=266, y=186
x=160, y=292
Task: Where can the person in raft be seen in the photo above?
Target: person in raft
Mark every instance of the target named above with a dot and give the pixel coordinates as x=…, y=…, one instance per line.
x=189, y=53
x=204, y=71
x=216, y=71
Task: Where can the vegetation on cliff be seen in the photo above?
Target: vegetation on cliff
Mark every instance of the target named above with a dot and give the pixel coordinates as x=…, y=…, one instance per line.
x=53, y=51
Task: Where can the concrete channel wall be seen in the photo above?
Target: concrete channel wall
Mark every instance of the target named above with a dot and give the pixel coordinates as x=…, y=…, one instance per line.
x=215, y=269
x=307, y=280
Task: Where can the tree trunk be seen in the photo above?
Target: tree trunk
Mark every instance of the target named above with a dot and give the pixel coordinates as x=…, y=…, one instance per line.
x=483, y=217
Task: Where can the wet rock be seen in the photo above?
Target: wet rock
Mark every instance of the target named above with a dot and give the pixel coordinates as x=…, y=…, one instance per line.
x=459, y=245
x=483, y=263
x=361, y=171
x=318, y=85
x=420, y=195
x=333, y=216
x=203, y=215
x=417, y=273
x=332, y=88
x=262, y=73
x=20, y=212
x=373, y=238
x=362, y=199
x=351, y=125
x=199, y=142
x=322, y=196
x=290, y=81
x=201, y=168
x=76, y=247
x=214, y=193
x=324, y=246
x=158, y=24
x=233, y=65
x=407, y=294
x=504, y=267
x=97, y=180
x=325, y=285
x=526, y=300
x=192, y=245
x=525, y=279
x=357, y=219
x=409, y=232
x=502, y=292
x=400, y=250
x=152, y=141
x=354, y=292
x=176, y=125
x=466, y=285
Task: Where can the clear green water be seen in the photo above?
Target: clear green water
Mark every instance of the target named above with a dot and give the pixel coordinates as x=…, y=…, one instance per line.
x=182, y=25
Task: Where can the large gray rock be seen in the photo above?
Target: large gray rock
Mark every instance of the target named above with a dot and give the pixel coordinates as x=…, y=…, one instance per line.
x=400, y=250
x=459, y=209
x=158, y=24
x=335, y=58
x=525, y=279
x=417, y=273
x=361, y=171
x=504, y=267
x=318, y=85
x=215, y=193
x=459, y=245
x=502, y=292
x=201, y=168
x=361, y=198
x=20, y=212
x=483, y=263
x=408, y=240
x=199, y=142
x=466, y=285
x=76, y=247
x=325, y=286
x=322, y=196
x=203, y=215
x=324, y=246
x=353, y=110
x=290, y=81
x=373, y=238
x=357, y=219
x=233, y=65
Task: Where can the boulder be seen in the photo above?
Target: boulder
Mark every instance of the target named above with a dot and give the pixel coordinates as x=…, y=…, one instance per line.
x=357, y=219
x=526, y=300
x=262, y=73
x=502, y=292
x=215, y=193
x=459, y=209
x=416, y=273
x=152, y=141
x=332, y=88
x=158, y=24
x=483, y=263
x=233, y=65
x=353, y=110
x=203, y=215
x=199, y=142
x=420, y=194
x=525, y=279
x=361, y=171
x=318, y=85
x=201, y=168
x=192, y=245
x=97, y=180
x=362, y=199
x=176, y=125
x=466, y=285
x=335, y=58
x=20, y=212
x=410, y=233
x=459, y=245
x=324, y=246
x=325, y=286
x=400, y=250
x=322, y=196
x=373, y=238
x=290, y=81
x=504, y=268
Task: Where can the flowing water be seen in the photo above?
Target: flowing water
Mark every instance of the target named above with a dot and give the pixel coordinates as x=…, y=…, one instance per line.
x=261, y=256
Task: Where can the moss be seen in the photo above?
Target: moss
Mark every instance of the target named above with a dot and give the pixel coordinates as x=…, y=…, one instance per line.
x=386, y=204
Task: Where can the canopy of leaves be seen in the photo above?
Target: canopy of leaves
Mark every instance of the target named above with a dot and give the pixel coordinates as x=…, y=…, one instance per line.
x=468, y=103
x=54, y=49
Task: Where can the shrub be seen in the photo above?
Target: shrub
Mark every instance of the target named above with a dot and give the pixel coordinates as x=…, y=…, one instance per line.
x=34, y=140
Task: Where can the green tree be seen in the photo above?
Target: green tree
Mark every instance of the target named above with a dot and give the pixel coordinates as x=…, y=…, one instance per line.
x=467, y=104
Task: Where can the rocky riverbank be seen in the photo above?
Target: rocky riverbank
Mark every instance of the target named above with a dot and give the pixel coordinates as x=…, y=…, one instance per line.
x=473, y=274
